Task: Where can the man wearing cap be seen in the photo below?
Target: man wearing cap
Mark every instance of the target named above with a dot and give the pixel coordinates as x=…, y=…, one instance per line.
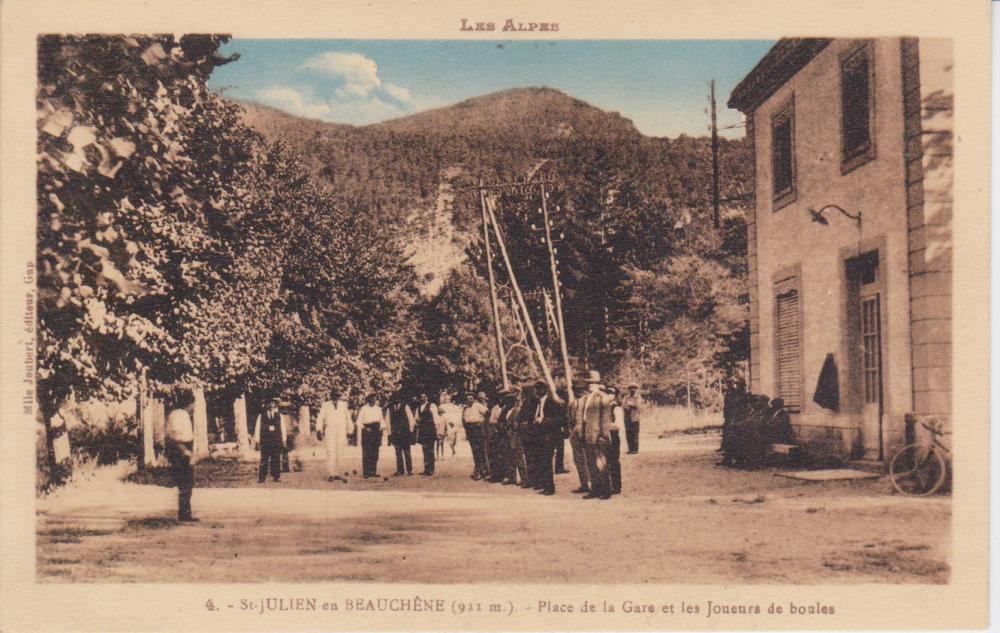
x=505, y=443
x=595, y=411
x=473, y=418
x=270, y=437
x=179, y=448
x=632, y=404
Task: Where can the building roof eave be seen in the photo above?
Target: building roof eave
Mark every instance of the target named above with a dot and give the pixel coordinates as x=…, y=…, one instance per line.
x=780, y=64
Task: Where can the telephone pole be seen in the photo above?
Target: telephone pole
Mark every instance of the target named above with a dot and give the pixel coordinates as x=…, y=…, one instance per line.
x=567, y=368
x=502, y=355
x=715, y=158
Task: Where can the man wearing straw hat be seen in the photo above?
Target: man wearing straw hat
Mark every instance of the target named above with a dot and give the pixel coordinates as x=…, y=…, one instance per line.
x=595, y=414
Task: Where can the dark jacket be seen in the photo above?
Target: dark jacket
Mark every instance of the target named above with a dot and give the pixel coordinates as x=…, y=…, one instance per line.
x=553, y=420
x=399, y=426
x=270, y=431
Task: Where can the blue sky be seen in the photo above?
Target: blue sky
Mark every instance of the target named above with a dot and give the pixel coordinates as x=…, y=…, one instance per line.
x=661, y=85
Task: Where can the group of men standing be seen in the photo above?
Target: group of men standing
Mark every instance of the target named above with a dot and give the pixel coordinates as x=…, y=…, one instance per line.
x=422, y=423
x=597, y=416
x=518, y=439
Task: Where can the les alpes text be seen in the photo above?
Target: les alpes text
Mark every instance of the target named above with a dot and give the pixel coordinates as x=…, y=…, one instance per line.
x=508, y=25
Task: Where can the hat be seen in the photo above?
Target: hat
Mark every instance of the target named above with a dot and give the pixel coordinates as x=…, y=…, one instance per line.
x=541, y=383
x=593, y=376
x=284, y=403
x=481, y=395
x=633, y=385
x=274, y=398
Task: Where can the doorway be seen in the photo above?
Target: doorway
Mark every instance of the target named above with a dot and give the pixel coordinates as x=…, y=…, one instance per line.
x=866, y=306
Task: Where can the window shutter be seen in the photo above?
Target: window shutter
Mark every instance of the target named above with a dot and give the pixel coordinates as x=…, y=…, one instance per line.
x=787, y=332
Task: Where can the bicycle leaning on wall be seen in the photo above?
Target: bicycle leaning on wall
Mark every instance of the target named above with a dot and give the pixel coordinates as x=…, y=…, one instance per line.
x=920, y=469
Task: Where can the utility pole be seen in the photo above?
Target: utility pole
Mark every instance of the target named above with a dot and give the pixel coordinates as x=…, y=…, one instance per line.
x=493, y=289
x=715, y=158
x=567, y=368
x=604, y=246
x=524, y=308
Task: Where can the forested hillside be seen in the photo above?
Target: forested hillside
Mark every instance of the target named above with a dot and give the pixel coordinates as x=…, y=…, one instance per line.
x=650, y=285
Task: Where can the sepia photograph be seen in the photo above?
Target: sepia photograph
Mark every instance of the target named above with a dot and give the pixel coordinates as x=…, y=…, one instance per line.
x=362, y=333
x=509, y=326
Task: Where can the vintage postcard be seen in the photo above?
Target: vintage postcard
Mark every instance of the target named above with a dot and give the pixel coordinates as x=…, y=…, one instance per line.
x=333, y=316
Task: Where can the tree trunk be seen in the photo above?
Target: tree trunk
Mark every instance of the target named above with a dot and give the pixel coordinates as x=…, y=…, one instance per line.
x=304, y=431
x=158, y=418
x=144, y=413
x=242, y=429
x=200, y=425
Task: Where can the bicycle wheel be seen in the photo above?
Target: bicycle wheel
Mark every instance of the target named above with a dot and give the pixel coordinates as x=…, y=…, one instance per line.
x=917, y=471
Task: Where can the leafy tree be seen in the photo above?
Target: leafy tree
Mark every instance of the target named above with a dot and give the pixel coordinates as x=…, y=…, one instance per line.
x=126, y=221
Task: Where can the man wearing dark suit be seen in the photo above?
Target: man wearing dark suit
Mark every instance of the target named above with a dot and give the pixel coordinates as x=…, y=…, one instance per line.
x=544, y=421
x=401, y=423
x=427, y=431
x=270, y=437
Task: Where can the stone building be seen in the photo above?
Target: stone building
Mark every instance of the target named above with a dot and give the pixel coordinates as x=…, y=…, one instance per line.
x=850, y=245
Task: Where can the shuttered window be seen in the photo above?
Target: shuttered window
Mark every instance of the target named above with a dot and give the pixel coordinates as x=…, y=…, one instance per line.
x=788, y=337
x=783, y=152
x=856, y=106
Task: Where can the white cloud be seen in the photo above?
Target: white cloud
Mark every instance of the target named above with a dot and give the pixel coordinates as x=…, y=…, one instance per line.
x=399, y=93
x=342, y=87
x=294, y=102
x=358, y=74
x=303, y=103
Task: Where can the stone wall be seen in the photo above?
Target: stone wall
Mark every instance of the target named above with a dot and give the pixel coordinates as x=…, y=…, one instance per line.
x=928, y=108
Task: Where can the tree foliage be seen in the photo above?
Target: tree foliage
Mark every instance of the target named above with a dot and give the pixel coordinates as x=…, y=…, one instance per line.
x=175, y=241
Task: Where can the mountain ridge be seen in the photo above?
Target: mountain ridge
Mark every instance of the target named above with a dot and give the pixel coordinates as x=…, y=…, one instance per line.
x=411, y=171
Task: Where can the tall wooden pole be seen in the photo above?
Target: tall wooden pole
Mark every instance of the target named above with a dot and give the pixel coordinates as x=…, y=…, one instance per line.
x=715, y=159
x=567, y=368
x=501, y=353
x=524, y=308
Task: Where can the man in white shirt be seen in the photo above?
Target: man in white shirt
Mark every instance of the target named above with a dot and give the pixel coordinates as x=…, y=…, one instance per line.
x=370, y=423
x=179, y=448
x=473, y=420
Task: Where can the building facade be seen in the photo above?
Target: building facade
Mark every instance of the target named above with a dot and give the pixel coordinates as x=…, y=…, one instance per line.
x=849, y=240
